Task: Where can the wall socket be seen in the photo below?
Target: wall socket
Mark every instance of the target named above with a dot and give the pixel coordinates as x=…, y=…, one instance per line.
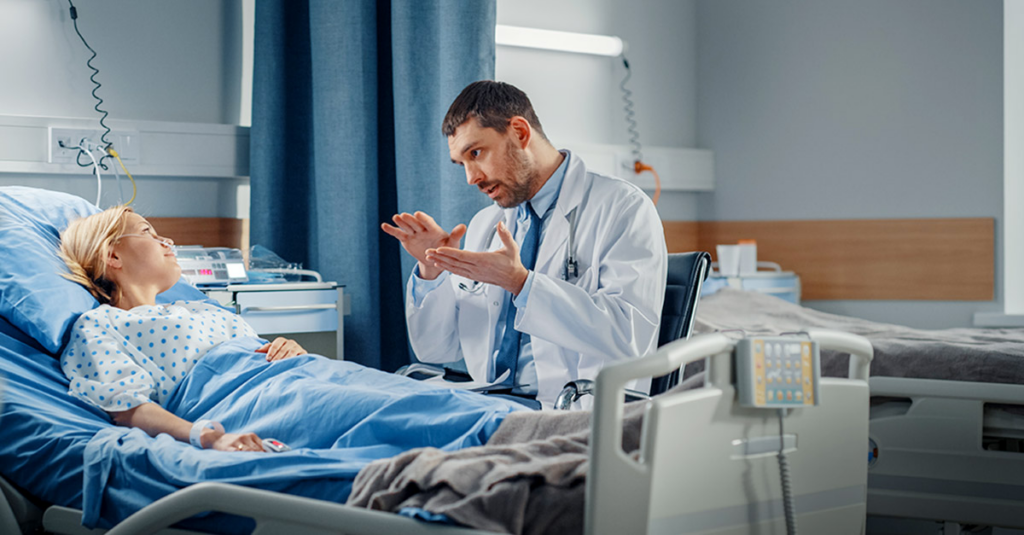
x=126, y=143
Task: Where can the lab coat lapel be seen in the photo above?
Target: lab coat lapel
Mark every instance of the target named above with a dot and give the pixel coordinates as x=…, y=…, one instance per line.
x=552, y=247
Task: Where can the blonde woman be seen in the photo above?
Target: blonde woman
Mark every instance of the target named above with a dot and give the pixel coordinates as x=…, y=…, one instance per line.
x=127, y=355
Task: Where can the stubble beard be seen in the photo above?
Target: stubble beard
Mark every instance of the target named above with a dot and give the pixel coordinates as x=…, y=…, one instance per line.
x=522, y=178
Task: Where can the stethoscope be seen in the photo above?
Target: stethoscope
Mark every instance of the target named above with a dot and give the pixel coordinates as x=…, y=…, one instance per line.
x=570, y=272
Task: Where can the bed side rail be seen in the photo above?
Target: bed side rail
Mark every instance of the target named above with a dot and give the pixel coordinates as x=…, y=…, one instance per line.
x=611, y=382
x=606, y=432
x=859, y=348
x=274, y=513
x=17, y=513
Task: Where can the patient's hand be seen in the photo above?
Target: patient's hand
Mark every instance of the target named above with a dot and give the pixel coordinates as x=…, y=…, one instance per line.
x=281, y=348
x=231, y=441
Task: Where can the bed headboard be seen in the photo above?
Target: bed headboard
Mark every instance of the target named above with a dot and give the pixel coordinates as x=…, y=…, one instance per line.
x=205, y=231
x=884, y=259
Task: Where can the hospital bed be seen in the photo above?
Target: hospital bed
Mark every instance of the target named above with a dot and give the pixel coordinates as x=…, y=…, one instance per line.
x=705, y=463
x=722, y=479
x=947, y=411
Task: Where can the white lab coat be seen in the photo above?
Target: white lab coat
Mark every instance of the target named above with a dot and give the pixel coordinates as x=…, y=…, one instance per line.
x=608, y=314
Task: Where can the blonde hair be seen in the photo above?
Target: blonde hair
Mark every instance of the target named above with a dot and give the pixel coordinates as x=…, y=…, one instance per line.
x=85, y=246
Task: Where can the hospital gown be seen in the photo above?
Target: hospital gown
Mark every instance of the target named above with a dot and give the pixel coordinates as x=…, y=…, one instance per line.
x=118, y=359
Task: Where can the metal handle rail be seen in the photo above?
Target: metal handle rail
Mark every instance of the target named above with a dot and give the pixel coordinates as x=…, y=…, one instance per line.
x=292, y=308
x=274, y=512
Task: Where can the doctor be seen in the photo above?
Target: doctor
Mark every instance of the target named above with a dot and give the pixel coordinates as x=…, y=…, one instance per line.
x=562, y=275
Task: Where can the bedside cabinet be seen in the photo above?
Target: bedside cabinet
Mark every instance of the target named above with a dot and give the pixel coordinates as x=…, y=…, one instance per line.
x=305, y=311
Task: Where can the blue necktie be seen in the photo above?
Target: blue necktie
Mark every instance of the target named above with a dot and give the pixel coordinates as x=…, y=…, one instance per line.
x=508, y=354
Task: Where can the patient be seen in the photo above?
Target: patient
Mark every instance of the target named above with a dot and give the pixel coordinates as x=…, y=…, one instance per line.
x=129, y=356
x=130, y=352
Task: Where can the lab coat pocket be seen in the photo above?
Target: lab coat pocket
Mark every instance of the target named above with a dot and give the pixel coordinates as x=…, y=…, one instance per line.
x=468, y=286
x=588, y=280
x=471, y=296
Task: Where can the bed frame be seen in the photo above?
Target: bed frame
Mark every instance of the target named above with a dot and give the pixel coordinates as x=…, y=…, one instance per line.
x=948, y=451
x=723, y=479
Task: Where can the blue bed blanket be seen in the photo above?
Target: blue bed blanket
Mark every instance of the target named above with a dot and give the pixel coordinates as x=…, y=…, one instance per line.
x=336, y=416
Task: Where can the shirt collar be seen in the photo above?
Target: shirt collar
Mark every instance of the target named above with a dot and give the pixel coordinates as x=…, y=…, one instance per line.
x=548, y=194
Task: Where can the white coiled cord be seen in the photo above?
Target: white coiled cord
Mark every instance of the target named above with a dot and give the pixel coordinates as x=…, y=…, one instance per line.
x=96, y=168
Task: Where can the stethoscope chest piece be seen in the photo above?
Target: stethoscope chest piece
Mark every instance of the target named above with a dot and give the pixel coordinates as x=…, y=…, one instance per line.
x=572, y=267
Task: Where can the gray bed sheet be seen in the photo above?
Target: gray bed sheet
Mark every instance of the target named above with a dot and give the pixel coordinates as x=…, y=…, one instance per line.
x=963, y=354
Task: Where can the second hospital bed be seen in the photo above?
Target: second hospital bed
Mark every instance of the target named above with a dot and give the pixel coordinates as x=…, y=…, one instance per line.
x=947, y=409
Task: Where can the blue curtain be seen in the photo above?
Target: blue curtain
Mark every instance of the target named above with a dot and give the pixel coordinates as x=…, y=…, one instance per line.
x=348, y=99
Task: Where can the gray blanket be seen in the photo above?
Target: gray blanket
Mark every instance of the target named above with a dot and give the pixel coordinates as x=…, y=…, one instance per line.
x=981, y=355
x=529, y=478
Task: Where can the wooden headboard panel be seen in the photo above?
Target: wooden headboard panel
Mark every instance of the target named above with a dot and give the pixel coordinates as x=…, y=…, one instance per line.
x=911, y=259
x=205, y=231
x=885, y=259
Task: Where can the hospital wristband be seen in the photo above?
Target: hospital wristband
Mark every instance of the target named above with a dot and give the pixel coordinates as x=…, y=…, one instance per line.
x=194, y=436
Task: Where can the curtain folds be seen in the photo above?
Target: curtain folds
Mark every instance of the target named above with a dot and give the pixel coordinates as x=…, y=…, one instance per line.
x=348, y=98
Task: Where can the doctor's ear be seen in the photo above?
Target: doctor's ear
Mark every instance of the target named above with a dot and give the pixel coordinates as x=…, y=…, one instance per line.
x=520, y=130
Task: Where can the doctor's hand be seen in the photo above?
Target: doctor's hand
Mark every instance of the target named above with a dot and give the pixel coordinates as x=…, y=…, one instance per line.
x=280, y=349
x=419, y=232
x=502, y=267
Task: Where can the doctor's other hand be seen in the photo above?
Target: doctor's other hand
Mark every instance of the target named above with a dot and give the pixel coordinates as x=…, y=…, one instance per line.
x=501, y=267
x=419, y=232
x=280, y=349
x=231, y=441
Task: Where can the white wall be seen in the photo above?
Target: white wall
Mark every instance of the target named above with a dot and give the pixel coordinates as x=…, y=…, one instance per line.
x=1013, y=166
x=578, y=98
x=174, y=61
x=839, y=109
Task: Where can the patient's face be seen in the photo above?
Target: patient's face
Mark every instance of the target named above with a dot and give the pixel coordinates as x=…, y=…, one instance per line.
x=145, y=257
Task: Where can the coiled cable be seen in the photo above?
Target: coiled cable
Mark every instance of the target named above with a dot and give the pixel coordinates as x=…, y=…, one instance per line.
x=787, y=497
x=627, y=99
x=634, y=136
x=92, y=78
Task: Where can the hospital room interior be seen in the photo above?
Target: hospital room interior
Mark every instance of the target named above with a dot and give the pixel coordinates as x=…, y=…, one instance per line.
x=841, y=178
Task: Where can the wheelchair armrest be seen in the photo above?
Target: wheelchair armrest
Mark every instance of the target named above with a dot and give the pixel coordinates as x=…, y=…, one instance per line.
x=429, y=370
x=635, y=395
x=574, y=390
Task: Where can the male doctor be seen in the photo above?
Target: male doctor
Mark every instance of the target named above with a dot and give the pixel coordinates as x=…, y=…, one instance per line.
x=562, y=275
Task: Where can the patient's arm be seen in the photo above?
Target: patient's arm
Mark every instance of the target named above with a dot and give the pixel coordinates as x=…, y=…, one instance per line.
x=154, y=419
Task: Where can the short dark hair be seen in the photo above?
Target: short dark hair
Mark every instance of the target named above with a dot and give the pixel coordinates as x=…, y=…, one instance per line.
x=493, y=104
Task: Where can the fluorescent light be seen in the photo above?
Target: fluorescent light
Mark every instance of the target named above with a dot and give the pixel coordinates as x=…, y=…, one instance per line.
x=580, y=43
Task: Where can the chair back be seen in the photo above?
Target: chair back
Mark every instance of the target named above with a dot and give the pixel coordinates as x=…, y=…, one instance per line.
x=686, y=274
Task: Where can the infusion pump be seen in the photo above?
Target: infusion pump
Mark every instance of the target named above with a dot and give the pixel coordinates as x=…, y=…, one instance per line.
x=211, y=266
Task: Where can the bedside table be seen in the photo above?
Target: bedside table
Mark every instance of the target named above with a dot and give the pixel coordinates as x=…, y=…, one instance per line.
x=293, y=309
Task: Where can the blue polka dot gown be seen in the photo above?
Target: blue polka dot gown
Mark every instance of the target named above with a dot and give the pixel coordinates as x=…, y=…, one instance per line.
x=118, y=359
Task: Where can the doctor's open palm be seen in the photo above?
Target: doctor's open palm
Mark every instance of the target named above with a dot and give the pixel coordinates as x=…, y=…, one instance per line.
x=419, y=232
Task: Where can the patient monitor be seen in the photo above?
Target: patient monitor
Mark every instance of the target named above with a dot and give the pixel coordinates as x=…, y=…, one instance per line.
x=211, y=266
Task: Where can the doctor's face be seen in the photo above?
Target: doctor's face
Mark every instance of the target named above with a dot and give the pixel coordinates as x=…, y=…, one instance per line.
x=495, y=162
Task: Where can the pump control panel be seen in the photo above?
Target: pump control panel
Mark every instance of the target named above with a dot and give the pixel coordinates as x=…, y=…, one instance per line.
x=777, y=372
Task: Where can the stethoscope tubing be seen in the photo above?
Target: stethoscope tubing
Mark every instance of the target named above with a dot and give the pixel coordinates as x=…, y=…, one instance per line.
x=569, y=272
